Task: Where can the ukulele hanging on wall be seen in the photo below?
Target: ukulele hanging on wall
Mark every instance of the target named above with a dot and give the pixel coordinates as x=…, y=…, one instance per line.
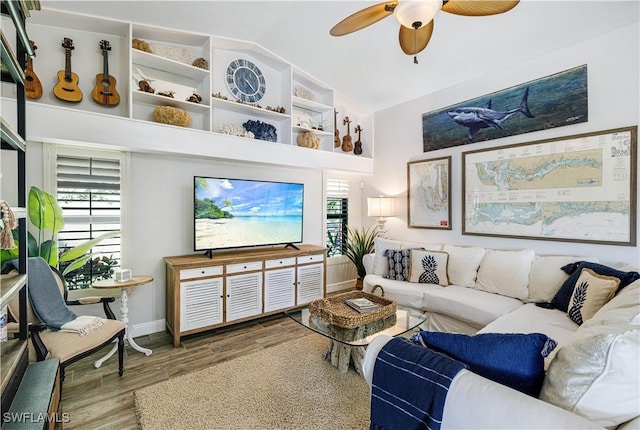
x=105, y=92
x=67, y=87
x=32, y=85
x=358, y=145
x=336, y=132
x=347, y=143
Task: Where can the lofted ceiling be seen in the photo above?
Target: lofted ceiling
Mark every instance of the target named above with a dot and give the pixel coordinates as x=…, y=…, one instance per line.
x=368, y=66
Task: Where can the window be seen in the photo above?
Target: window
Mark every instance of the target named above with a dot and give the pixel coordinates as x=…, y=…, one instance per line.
x=337, y=216
x=88, y=186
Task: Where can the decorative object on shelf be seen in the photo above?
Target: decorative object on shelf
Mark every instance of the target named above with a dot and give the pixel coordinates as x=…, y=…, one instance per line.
x=347, y=143
x=105, y=92
x=32, y=85
x=416, y=18
x=144, y=85
x=357, y=149
x=140, y=45
x=308, y=140
x=245, y=81
x=235, y=130
x=9, y=222
x=200, y=63
x=429, y=193
x=167, y=93
x=219, y=95
x=175, y=53
x=303, y=93
x=336, y=132
x=279, y=109
x=172, y=116
x=67, y=87
x=262, y=130
x=194, y=98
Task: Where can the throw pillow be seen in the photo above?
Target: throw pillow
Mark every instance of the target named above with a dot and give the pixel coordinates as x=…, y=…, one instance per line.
x=505, y=272
x=595, y=374
x=547, y=275
x=592, y=291
x=398, y=264
x=562, y=297
x=381, y=261
x=429, y=267
x=515, y=360
x=463, y=264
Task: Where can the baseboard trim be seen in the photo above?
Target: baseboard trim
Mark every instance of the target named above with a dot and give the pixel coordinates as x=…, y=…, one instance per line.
x=147, y=328
x=340, y=286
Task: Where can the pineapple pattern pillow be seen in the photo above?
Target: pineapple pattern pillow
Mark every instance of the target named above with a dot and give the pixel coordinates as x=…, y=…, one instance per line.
x=429, y=267
x=592, y=292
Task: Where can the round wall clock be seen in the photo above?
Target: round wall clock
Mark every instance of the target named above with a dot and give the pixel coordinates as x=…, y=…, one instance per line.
x=245, y=81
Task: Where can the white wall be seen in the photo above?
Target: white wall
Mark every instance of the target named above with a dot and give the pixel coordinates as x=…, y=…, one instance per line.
x=614, y=99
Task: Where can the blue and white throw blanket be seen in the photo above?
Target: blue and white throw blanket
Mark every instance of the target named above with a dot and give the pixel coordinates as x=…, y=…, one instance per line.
x=410, y=386
x=48, y=303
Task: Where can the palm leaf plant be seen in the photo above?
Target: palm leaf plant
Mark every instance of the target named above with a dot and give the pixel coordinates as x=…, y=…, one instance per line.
x=359, y=243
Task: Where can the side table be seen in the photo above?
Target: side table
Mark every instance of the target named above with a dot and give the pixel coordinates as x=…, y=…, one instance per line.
x=135, y=281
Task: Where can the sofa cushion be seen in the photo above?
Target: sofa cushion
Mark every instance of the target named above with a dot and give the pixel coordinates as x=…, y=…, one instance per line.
x=381, y=261
x=592, y=291
x=505, y=272
x=533, y=319
x=429, y=267
x=547, y=276
x=466, y=304
x=596, y=374
x=463, y=264
x=399, y=262
x=410, y=295
x=562, y=297
x=515, y=360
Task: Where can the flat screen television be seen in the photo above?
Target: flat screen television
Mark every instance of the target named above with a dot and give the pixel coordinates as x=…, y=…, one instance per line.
x=238, y=213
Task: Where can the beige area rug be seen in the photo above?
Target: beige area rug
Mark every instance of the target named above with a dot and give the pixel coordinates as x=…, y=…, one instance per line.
x=288, y=386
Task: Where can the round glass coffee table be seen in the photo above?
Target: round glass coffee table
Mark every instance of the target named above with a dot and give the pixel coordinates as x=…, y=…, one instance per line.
x=348, y=345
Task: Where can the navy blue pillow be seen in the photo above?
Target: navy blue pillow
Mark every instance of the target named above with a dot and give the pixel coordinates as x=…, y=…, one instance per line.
x=398, y=264
x=512, y=359
x=563, y=296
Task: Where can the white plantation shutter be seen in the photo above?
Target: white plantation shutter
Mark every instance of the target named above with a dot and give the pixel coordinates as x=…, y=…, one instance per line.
x=337, y=214
x=88, y=187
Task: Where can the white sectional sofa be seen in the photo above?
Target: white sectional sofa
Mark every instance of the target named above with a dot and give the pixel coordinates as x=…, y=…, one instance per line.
x=592, y=377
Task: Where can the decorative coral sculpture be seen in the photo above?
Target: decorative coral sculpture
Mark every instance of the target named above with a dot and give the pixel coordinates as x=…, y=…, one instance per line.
x=261, y=130
x=308, y=140
x=140, y=44
x=172, y=116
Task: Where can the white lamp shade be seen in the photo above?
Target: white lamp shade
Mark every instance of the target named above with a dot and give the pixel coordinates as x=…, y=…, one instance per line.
x=381, y=206
x=423, y=11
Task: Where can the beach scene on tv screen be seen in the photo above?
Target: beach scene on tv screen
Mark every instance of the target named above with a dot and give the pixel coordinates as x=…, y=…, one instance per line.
x=235, y=213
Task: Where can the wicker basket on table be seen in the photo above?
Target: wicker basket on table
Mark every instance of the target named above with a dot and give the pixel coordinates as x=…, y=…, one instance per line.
x=334, y=311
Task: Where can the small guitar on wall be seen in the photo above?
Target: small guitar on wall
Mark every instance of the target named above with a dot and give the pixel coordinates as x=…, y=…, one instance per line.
x=67, y=87
x=336, y=132
x=357, y=149
x=32, y=85
x=347, y=143
x=105, y=92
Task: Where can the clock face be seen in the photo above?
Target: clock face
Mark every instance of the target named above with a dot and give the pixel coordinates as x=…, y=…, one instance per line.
x=245, y=81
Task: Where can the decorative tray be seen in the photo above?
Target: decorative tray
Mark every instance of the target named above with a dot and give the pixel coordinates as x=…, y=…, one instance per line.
x=334, y=311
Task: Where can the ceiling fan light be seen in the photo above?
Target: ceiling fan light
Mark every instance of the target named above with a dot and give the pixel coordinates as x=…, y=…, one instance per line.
x=421, y=11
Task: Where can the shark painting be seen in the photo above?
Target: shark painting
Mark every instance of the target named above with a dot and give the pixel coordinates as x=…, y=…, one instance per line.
x=476, y=118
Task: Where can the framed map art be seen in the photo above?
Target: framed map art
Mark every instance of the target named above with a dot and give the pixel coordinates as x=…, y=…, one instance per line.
x=429, y=193
x=579, y=188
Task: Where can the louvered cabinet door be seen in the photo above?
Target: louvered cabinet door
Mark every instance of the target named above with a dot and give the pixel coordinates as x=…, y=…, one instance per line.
x=310, y=283
x=279, y=289
x=200, y=303
x=244, y=295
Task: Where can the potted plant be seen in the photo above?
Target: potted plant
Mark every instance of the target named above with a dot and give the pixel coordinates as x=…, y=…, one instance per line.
x=359, y=243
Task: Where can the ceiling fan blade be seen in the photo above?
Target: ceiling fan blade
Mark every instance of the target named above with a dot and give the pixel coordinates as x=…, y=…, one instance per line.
x=363, y=18
x=478, y=7
x=413, y=41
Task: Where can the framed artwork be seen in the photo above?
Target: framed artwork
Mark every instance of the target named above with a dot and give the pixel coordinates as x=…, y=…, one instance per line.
x=429, y=193
x=579, y=188
x=552, y=101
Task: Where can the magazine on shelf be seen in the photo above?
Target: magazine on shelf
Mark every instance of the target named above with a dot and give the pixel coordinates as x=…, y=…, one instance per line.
x=362, y=304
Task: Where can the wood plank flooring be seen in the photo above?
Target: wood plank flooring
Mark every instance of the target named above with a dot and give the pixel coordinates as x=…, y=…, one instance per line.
x=98, y=399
